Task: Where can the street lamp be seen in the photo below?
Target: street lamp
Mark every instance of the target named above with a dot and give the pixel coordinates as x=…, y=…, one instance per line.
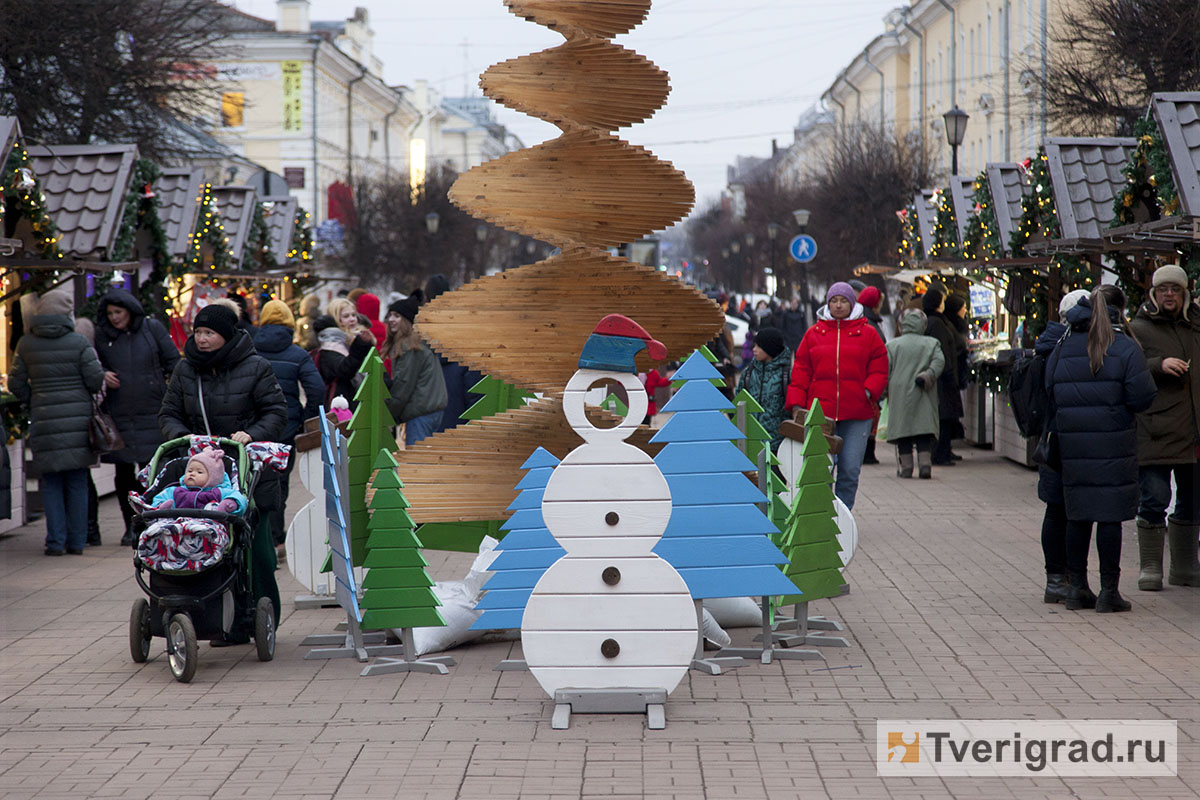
x=432, y=219
x=956, y=129
x=773, y=229
x=802, y=215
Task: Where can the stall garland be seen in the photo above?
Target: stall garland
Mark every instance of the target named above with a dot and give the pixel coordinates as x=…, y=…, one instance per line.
x=256, y=253
x=945, y=228
x=210, y=231
x=22, y=189
x=142, y=209
x=982, y=240
x=15, y=417
x=1148, y=178
x=989, y=375
x=911, y=249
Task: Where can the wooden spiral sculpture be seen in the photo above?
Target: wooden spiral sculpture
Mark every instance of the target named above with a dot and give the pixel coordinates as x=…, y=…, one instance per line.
x=585, y=191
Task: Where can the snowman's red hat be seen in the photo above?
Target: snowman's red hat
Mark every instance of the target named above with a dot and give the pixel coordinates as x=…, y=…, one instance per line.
x=615, y=341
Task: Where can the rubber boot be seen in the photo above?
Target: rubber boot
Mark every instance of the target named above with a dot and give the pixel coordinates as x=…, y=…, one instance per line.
x=905, y=467
x=1079, y=594
x=1184, y=571
x=1109, y=600
x=1150, y=554
x=924, y=464
x=1056, y=588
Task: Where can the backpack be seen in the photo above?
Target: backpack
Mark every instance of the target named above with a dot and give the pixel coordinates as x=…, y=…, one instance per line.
x=1027, y=393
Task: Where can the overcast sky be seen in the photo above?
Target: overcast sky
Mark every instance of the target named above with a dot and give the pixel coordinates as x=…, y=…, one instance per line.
x=741, y=71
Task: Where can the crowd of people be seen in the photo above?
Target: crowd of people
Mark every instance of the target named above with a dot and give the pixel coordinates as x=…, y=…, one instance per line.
x=241, y=378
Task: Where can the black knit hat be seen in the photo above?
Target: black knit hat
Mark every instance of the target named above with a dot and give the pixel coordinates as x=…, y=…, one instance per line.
x=770, y=340
x=408, y=307
x=931, y=299
x=217, y=318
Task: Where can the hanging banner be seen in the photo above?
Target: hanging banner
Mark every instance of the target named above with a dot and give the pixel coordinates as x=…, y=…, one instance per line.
x=293, y=103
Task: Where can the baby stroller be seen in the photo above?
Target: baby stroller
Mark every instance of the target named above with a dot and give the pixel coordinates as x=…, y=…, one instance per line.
x=199, y=570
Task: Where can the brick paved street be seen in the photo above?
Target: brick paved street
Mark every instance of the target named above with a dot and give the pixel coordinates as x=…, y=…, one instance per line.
x=945, y=618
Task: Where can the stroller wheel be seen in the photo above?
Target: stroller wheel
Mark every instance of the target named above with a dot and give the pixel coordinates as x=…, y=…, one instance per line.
x=181, y=646
x=264, y=629
x=139, y=630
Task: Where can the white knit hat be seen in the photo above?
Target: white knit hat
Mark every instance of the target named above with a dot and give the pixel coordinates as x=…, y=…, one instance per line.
x=1070, y=300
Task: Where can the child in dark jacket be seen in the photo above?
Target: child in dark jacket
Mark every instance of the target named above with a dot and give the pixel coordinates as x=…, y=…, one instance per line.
x=766, y=379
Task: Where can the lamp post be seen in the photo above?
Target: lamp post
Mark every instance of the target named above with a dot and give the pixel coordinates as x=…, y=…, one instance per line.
x=432, y=219
x=956, y=129
x=801, y=215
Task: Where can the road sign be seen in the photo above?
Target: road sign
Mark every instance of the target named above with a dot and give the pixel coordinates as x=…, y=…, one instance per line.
x=803, y=248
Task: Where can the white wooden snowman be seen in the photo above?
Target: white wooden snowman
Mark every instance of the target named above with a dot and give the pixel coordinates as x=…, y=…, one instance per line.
x=609, y=614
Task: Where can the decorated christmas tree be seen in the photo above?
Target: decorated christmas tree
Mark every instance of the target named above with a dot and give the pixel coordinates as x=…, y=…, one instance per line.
x=525, y=552
x=717, y=537
x=810, y=535
x=398, y=588
x=370, y=432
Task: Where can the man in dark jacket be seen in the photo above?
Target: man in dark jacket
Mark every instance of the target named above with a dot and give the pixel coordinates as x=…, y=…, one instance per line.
x=295, y=370
x=950, y=405
x=223, y=388
x=792, y=322
x=1168, y=328
x=138, y=357
x=55, y=373
x=458, y=378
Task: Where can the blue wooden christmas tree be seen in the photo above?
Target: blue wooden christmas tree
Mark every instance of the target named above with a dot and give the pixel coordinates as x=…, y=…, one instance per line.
x=525, y=552
x=717, y=537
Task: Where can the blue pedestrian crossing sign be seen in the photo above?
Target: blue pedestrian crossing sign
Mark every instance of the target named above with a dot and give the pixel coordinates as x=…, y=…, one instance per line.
x=803, y=248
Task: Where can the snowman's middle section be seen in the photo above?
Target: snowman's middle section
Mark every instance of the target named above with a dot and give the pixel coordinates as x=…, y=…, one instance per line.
x=610, y=613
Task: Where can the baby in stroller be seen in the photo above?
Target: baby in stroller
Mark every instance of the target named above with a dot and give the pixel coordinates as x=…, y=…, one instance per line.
x=189, y=543
x=204, y=485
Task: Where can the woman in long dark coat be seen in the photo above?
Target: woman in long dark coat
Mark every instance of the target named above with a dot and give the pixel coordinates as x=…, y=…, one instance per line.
x=223, y=388
x=950, y=405
x=138, y=357
x=55, y=373
x=1098, y=380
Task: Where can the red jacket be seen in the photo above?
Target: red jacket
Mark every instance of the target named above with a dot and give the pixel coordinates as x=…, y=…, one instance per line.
x=368, y=305
x=839, y=362
x=654, y=380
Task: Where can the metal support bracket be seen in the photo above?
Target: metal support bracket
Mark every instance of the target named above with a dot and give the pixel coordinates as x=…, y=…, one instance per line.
x=650, y=702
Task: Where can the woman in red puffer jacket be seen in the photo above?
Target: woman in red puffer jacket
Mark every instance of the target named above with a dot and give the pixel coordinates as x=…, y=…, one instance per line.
x=843, y=363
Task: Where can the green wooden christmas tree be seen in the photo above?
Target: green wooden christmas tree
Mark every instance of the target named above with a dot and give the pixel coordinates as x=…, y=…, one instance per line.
x=398, y=587
x=498, y=397
x=810, y=533
x=370, y=432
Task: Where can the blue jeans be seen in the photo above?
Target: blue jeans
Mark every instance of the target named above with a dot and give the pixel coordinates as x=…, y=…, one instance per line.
x=65, y=499
x=854, y=433
x=418, y=428
x=1155, y=482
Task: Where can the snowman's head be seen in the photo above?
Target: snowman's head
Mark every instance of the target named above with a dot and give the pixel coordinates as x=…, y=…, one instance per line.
x=574, y=408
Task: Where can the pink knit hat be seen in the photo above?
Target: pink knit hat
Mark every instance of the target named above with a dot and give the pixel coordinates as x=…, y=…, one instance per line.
x=213, y=462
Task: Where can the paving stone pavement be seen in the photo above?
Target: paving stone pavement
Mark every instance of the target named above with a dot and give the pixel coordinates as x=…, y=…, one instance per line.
x=945, y=620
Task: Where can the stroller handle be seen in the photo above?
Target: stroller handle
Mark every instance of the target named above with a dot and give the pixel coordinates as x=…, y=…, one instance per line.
x=242, y=459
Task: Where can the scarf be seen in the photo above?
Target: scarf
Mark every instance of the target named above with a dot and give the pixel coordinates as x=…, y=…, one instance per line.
x=333, y=339
x=206, y=361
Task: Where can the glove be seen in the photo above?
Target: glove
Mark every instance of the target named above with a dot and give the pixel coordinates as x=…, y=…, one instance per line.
x=168, y=503
x=228, y=506
x=920, y=381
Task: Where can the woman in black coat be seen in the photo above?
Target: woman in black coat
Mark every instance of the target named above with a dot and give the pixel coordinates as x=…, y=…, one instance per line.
x=337, y=362
x=138, y=357
x=950, y=405
x=223, y=388
x=1098, y=380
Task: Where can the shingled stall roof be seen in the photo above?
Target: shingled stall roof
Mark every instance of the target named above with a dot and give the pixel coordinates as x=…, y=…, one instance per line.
x=1086, y=174
x=1006, y=185
x=178, y=190
x=926, y=217
x=1178, y=116
x=280, y=224
x=85, y=187
x=962, y=187
x=236, y=205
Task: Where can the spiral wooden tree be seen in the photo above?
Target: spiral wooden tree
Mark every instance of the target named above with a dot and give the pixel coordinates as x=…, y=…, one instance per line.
x=585, y=191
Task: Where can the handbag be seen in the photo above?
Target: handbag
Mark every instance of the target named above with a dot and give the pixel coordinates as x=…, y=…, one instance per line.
x=1047, y=452
x=102, y=431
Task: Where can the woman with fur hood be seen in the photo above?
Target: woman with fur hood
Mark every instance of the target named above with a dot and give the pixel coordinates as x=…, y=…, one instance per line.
x=914, y=363
x=842, y=362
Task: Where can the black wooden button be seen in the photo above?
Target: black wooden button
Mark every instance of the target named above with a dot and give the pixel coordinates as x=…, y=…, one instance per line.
x=609, y=648
x=611, y=576
x=612, y=518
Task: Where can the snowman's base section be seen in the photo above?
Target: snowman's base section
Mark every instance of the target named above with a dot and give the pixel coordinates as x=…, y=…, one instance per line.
x=650, y=702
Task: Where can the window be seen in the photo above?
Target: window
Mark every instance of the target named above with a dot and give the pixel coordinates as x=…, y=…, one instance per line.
x=233, y=106
x=990, y=65
x=971, y=53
